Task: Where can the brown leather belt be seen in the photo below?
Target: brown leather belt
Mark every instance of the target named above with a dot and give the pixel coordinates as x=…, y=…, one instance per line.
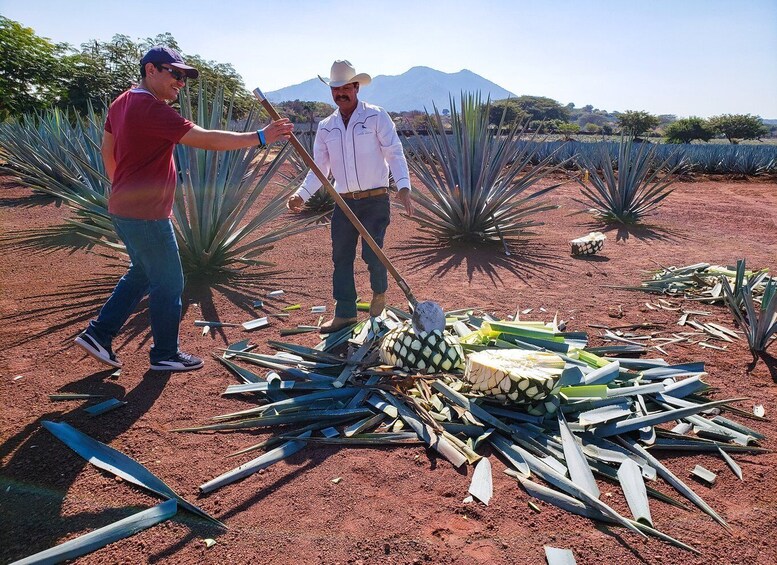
x=364, y=193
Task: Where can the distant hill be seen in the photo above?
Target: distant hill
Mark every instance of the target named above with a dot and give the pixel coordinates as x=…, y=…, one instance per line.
x=415, y=89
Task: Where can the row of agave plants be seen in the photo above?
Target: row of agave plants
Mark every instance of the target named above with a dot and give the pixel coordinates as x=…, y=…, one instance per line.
x=479, y=185
x=739, y=160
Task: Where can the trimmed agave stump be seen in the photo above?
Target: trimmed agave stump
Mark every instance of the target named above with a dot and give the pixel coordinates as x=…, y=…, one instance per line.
x=517, y=375
x=588, y=244
x=425, y=352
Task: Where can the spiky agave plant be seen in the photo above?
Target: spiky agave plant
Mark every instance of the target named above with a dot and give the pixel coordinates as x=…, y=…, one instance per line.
x=59, y=156
x=641, y=183
x=218, y=191
x=759, y=326
x=477, y=176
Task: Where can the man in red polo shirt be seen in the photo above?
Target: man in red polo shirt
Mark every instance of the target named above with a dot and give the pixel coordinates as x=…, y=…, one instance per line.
x=141, y=132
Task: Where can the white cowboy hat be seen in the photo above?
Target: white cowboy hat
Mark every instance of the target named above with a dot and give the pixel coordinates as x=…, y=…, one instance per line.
x=343, y=73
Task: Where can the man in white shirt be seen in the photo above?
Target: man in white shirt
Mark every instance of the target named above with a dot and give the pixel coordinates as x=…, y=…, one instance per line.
x=358, y=144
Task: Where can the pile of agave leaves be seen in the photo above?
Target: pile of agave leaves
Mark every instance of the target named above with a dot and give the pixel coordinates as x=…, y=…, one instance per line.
x=602, y=417
x=702, y=281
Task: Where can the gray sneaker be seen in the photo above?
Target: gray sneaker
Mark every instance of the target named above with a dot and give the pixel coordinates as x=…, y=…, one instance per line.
x=178, y=362
x=88, y=343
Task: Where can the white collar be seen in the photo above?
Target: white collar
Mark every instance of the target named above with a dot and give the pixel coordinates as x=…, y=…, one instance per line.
x=139, y=90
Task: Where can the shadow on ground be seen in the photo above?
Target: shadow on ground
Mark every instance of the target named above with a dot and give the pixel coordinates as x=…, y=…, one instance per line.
x=641, y=232
x=75, y=304
x=39, y=470
x=525, y=259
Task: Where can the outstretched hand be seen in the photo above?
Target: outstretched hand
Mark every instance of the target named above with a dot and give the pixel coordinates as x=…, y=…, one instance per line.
x=277, y=130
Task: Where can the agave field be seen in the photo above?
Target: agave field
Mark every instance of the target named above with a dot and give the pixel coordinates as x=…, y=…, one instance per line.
x=615, y=407
x=712, y=159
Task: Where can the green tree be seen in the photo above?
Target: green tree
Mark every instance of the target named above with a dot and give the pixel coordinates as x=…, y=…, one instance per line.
x=542, y=109
x=567, y=130
x=103, y=70
x=636, y=122
x=30, y=69
x=739, y=126
x=511, y=110
x=301, y=111
x=687, y=129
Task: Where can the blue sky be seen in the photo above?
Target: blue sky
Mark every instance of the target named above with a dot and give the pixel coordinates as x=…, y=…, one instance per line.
x=683, y=57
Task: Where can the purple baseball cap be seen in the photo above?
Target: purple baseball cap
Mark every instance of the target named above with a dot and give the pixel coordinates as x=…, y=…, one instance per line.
x=159, y=55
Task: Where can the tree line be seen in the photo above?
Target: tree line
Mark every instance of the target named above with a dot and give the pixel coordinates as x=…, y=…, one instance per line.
x=36, y=73
x=552, y=117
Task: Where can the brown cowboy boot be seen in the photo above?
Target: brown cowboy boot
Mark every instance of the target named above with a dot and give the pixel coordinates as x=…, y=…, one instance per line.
x=377, y=304
x=336, y=324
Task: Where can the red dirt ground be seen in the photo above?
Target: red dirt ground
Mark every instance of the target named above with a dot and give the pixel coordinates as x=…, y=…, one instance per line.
x=401, y=505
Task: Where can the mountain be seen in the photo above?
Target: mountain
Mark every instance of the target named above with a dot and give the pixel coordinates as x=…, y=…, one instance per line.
x=415, y=89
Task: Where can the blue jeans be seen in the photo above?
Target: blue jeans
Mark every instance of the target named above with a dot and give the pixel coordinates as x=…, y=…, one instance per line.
x=155, y=269
x=374, y=214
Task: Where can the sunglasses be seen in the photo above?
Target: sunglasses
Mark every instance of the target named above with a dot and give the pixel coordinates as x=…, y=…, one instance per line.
x=175, y=73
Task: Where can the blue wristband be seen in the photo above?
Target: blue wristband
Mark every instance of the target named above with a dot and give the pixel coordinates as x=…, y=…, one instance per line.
x=262, y=140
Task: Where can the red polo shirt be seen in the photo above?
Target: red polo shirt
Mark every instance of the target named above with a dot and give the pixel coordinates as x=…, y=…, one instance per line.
x=145, y=132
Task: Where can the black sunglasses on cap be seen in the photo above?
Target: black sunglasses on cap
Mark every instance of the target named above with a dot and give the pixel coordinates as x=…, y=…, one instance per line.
x=175, y=73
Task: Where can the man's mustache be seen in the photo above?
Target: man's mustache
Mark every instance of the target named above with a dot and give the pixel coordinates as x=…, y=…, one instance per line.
x=342, y=97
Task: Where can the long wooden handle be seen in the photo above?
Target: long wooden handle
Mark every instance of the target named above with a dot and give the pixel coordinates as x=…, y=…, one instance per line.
x=308, y=160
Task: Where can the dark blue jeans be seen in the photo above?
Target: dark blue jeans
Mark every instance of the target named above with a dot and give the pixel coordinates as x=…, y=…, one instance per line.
x=374, y=214
x=155, y=269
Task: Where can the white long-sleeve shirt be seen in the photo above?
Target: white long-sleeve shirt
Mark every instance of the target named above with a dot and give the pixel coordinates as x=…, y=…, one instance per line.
x=359, y=156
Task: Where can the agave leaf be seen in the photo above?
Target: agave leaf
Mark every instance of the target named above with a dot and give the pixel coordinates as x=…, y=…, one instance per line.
x=239, y=371
x=603, y=375
x=261, y=462
x=667, y=441
x=579, y=471
x=279, y=385
x=731, y=463
x=113, y=461
x=550, y=475
x=103, y=407
x=282, y=419
x=482, y=486
x=364, y=424
x=426, y=433
x=303, y=400
x=462, y=401
x=574, y=506
x=604, y=414
x=372, y=440
x=558, y=556
x=585, y=391
x=309, y=352
x=505, y=447
x=107, y=534
x=74, y=396
x=630, y=477
x=669, y=477
x=736, y=426
x=624, y=426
